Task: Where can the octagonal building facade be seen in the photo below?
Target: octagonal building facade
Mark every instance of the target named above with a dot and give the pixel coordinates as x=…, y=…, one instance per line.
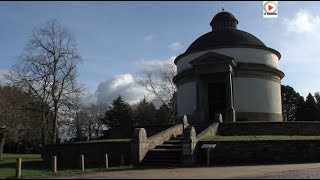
x=230, y=72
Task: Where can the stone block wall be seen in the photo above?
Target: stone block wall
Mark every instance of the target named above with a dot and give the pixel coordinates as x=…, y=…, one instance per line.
x=269, y=128
x=261, y=152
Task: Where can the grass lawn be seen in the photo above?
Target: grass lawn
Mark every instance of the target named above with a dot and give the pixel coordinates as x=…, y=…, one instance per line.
x=33, y=167
x=257, y=137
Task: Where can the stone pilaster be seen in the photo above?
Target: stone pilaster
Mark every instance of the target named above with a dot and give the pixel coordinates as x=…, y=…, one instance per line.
x=189, y=143
x=185, y=122
x=139, y=145
x=230, y=112
x=218, y=118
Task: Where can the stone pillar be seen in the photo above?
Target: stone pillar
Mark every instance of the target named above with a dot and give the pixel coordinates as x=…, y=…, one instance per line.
x=185, y=122
x=189, y=143
x=218, y=118
x=230, y=113
x=139, y=145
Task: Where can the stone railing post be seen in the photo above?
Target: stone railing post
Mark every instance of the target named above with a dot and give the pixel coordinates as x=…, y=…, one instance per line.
x=139, y=145
x=218, y=118
x=188, y=146
x=185, y=122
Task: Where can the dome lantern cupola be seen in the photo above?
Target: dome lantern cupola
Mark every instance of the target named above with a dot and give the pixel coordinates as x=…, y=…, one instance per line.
x=223, y=20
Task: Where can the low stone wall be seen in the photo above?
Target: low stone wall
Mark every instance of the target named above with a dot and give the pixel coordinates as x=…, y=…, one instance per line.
x=68, y=155
x=261, y=152
x=269, y=128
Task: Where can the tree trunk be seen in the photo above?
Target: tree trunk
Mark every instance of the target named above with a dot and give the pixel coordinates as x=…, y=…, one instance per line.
x=1, y=144
x=97, y=133
x=89, y=130
x=55, y=124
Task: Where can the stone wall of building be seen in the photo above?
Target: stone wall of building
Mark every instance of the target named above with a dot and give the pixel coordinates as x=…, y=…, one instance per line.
x=269, y=128
x=68, y=155
x=260, y=152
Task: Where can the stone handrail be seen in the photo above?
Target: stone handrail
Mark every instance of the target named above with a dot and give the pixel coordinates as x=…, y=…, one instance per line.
x=209, y=131
x=163, y=136
x=212, y=129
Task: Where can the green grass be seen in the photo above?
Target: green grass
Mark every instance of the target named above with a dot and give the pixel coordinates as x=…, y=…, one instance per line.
x=33, y=167
x=258, y=137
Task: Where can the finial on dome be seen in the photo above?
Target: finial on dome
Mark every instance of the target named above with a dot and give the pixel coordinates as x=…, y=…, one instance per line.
x=223, y=20
x=222, y=6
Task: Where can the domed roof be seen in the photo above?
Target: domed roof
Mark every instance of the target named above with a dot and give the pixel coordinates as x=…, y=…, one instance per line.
x=224, y=37
x=224, y=33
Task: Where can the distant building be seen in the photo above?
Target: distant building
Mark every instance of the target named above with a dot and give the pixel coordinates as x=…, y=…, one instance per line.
x=231, y=72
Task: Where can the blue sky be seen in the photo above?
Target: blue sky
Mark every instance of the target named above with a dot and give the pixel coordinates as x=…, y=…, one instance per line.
x=116, y=39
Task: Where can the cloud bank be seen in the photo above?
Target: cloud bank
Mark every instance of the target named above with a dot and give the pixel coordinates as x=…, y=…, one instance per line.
x=126, y=85
x=300, y=51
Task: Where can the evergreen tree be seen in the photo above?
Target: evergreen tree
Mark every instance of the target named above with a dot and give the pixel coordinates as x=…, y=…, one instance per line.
x=317, y=96
x=289, y=102
x=163, y=115
x=119, y=118
x=299, y=112
x=145, y=113
x=311, y=111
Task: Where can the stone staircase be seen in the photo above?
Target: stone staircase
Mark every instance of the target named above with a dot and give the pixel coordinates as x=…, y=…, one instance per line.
x=167, y=154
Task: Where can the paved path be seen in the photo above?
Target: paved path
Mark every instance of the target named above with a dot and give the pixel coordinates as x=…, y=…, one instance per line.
x=311, y=170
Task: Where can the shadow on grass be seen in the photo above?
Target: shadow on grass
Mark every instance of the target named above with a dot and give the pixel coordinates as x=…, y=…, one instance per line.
x=32, y=165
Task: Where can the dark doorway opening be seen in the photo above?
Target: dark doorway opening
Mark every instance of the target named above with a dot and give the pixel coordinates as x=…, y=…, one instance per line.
x=216, y=99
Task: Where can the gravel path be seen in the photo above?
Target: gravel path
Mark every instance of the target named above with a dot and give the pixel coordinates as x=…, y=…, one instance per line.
x=313, y=173
x=292, y=171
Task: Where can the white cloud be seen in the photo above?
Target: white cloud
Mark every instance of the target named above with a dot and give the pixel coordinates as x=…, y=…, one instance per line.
x=155, y=64
x=148, y=37
x=299, y=53
x=175, y=46
x=123, y=85
x=303, y=22
x=126, y=84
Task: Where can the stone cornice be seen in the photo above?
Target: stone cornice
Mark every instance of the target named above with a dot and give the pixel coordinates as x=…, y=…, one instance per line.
x=230, y=46
x=250, y=70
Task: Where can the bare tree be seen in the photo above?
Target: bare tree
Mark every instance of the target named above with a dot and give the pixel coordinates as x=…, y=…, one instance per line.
x=14, y=114
x=159, y=83
x=95, y=114
x=47, y=68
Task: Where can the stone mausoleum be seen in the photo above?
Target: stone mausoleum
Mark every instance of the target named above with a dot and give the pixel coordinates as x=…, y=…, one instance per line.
x=229, y=72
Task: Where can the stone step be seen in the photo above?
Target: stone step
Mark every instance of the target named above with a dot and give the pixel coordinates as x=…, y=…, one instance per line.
x=163, y=153
x=177, y=138
x=167, y=154
x=163, y=158
x=166, y=150
x=169, y=146
x=173, y=142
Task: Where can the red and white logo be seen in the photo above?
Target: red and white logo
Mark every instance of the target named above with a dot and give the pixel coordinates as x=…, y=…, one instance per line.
x=270, y=9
